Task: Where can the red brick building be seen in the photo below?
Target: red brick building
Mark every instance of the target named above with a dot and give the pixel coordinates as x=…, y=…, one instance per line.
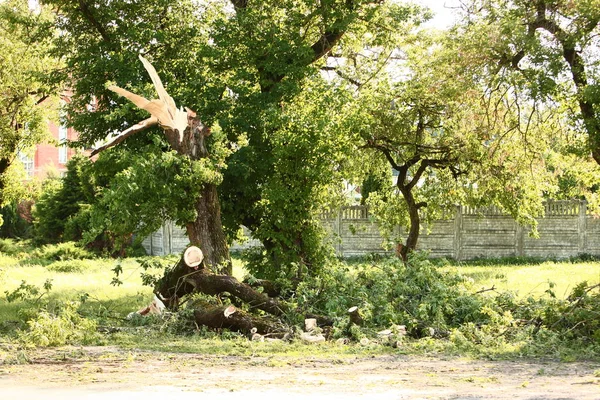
x=51, y=157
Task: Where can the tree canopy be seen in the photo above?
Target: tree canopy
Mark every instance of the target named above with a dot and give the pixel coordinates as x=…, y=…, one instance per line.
x=252, y=70
x=26, y=99
x=545, y=49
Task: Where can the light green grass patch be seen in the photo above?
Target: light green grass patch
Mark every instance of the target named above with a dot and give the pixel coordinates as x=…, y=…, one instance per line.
x=93, y=285
x=533, y=280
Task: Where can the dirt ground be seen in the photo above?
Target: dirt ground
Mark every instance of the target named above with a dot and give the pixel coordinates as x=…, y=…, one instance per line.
x=105, y=373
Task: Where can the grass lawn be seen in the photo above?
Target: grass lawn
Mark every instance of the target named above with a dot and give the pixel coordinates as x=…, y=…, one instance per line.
x=532, y=279
x=88, y=282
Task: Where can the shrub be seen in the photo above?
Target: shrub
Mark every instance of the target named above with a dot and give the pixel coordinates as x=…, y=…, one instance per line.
x=69, y=266
x=64, y=327
x=9, y=247
x=61, y=252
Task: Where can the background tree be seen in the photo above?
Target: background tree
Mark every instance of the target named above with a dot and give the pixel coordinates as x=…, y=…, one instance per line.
x=26, y=100
x=449, y=141
x=545, y=49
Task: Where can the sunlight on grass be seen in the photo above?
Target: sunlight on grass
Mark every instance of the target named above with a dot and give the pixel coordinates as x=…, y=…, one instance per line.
x=534, y=279
x=94, y=283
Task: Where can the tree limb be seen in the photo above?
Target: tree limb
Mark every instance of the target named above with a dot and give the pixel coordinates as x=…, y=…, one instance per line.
x=126, y=133
x=343, y=76
x=87, y=13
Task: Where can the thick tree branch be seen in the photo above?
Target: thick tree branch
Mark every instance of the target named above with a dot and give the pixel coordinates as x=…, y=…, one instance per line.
x=325, y=43
x=385, y=151
x=127, y=133
x=418, y=174
x=89, y=16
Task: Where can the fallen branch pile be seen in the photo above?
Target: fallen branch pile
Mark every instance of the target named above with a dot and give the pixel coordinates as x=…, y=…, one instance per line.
x=190, y=276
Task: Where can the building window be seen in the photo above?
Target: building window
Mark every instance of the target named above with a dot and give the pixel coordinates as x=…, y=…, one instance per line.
x=62, y=144
x=28, y=163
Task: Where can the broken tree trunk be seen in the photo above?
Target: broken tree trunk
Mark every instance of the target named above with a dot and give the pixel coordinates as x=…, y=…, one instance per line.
x=184, y=279
x=186, y=134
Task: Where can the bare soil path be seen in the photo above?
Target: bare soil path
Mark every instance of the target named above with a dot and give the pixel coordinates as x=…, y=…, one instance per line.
x=109, y=373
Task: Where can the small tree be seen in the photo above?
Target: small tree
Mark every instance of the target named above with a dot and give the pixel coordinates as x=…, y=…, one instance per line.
x=436, y=130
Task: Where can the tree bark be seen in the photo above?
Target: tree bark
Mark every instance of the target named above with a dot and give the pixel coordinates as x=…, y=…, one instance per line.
x=218, y=317
x=415, y=222
x=207, y=232
x=182, y=280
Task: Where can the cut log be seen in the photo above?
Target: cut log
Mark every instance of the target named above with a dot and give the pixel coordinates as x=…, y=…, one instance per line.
x=208, y=283
x=355, y=317
x=218, y=317
x=310, y=324
x=193, y=257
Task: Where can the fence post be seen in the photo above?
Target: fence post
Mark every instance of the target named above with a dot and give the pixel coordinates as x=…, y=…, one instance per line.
x=519, y=240
x=457, y=233
x=582, y=227
x=337, y=229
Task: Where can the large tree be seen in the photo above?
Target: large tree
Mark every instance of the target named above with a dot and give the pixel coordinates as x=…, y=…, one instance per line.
x=246, y=69
x=25, y=97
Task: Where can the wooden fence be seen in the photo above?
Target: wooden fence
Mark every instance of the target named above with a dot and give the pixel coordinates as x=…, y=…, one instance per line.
x=566, y=230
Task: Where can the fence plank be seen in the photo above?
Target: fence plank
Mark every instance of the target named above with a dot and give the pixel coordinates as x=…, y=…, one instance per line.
x=565, y=231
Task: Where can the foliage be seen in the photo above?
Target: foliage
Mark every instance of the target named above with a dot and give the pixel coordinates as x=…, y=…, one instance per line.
x=26, y=100
x=577, y=318
x=28, y=292
x=434, y=302
x=390, y=292
x=448, y=140
x=60, y=327
x=61, y=252
x=544, y=52
x=11, y=247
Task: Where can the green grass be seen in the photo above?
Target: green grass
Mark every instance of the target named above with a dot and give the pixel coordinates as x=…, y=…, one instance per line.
x=93, y=283
x=108, y=305
x=532, y=279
